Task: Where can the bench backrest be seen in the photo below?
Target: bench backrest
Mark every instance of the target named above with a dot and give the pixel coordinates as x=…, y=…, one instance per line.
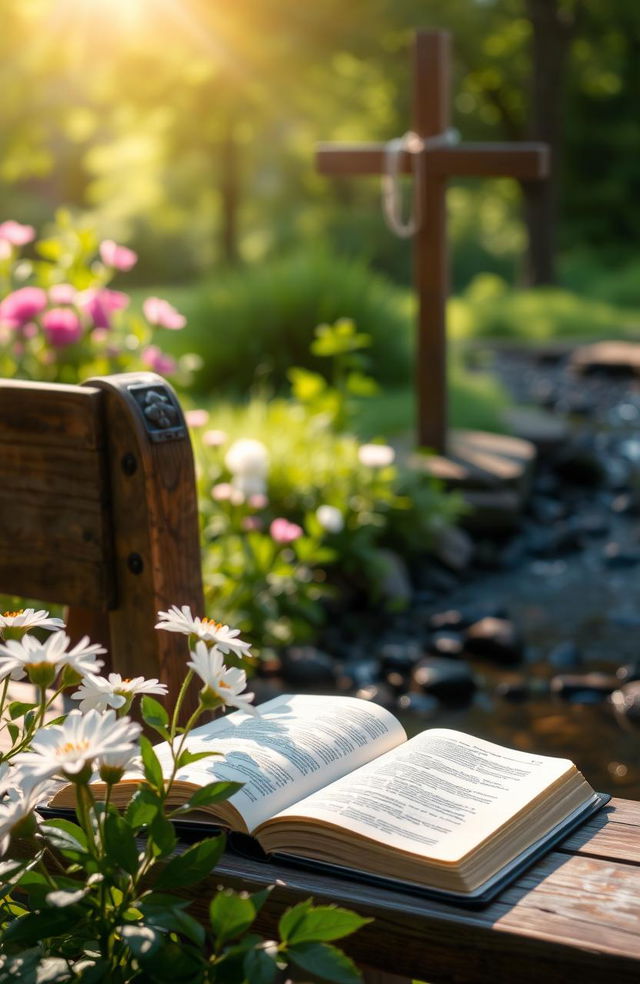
x=98, y=511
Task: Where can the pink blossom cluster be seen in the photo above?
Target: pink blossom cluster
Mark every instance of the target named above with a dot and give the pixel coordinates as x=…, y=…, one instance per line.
x=284, y=532
x=64, y=314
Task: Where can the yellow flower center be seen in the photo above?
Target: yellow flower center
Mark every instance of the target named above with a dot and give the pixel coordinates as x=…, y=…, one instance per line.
x=212, y=622
x=13, y=614
x=74, y=746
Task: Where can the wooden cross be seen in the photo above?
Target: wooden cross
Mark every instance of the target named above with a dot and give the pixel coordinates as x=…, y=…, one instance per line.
x=431, y=118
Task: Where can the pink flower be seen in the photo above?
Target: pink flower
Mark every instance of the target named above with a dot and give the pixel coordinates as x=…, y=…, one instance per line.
x=158, y=360
x=62, y=294
x=196, y=418
x=251, y=523
x=61, y=326
x=99, y=305
x=22, y=305
x=214, y=438
x=283, y=532
x=17, y=234
x=161, y=313
x=5, y=249
x=258, y=501
x=30, y=330
x=119, y=257
x=222, y=492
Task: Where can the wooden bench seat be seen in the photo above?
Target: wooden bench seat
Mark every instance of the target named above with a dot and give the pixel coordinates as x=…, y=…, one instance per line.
x=573, y=917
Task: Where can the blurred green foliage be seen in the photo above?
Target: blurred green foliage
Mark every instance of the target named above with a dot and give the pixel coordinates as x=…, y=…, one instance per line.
x=251, y=325
x=188, y=129
x=488, y=308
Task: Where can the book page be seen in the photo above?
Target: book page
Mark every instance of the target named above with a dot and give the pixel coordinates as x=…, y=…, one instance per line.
x=297, y=745
x=438, y=795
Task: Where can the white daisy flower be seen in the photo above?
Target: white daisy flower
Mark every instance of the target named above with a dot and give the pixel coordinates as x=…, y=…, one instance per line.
x=330, y=518
x=247, y=457
x=66, y=749
x=223, y=683
x=113, y=765
x=206, y=629
x=99, y=693
x=376, y=455
x=41, y=661
x=17, y=815
x=25, y=619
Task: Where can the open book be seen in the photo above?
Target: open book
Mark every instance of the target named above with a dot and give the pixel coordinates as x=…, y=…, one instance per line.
x=333, y=781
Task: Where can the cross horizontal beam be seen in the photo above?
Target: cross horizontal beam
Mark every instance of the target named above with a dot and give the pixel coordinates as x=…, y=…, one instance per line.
x=523, y=161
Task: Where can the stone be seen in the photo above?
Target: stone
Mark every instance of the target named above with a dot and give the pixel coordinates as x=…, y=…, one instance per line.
x=399, y=655
x=453, y=547
x=449, y=680
x=358, y=673
x=307, y=666
x=515, y=691
x=565, y=656
x=546, y=431
x=581, y=463
x=378, y=693
x=422, y=705
x=449, y=644
x=612, y=358
x=583, y=687
x=628, y=673
x=626, y=705
x=496, y=639
x=395, y=583
x=618, y=555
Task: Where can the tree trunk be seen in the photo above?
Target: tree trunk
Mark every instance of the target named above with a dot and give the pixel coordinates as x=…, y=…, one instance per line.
x=229, y=192
x=553, y=25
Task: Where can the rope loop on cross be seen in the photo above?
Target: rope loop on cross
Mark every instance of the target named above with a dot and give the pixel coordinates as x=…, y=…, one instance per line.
x=414, y=145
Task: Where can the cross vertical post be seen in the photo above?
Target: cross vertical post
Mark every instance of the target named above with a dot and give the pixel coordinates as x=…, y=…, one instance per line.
x=431, y=114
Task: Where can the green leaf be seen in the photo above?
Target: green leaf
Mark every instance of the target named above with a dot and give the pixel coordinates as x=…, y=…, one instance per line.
x=141, y=940
x=155, y=715
x=231, y=913
x=14, y=731
x=152, y=767
x=37, y=926
x=18, y=709
x=214, y=792
x=142, y=808
x=260, y=967
x=325, y=961
x=307, y=923
x=65, y=836
x=192, y=866
x=176, y=920
x=120, y=844
x=186, y=757
x=162, y=835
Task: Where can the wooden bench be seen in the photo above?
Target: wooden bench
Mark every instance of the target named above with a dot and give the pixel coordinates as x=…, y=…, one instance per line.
x=573, y=917
x=98, y=511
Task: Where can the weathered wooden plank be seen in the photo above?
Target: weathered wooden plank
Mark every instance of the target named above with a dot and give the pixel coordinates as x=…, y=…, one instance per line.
x=61, y=415
x=73, y=527
x=52, y=472
x=536, y=931
x=57, y=578
x=572, y=916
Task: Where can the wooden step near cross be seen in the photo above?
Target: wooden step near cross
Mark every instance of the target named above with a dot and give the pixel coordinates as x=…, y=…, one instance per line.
x=432, y=159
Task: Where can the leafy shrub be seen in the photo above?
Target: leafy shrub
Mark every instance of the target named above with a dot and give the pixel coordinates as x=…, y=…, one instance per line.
x=489, y=309
x=291, y=500
x=255, y=323
x=59, y=319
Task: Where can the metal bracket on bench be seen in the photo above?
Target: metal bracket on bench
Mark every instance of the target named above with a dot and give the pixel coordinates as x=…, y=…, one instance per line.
x=161, y=412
